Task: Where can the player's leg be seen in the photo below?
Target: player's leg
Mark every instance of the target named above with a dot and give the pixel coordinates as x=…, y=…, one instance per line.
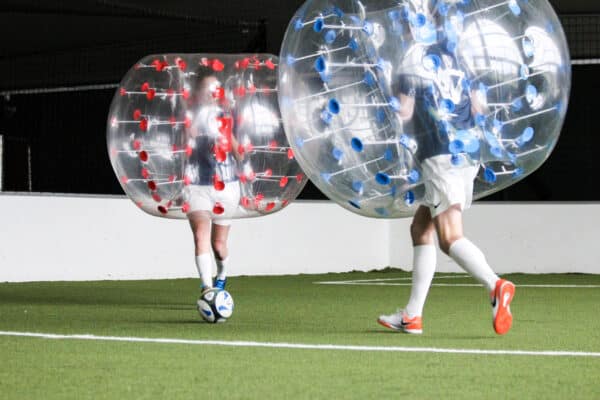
x=449, y=227
x=220, y=234
x=424, y=262
x=201, y=228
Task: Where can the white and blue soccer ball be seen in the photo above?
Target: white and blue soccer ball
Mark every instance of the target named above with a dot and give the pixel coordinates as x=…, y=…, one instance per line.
x=215, y=305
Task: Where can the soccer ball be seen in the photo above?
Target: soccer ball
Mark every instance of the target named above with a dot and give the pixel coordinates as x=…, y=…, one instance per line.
x=215, y=305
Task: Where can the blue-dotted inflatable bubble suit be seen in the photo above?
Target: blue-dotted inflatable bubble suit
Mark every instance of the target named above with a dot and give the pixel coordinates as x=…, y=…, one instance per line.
x=184, y=121
x=370, y=89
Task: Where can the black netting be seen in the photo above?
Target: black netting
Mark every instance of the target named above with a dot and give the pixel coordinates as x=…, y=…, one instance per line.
x=583, y=35
x=53, y=120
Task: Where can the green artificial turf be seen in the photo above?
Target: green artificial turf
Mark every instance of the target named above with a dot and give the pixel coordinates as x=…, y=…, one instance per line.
x=293, y=309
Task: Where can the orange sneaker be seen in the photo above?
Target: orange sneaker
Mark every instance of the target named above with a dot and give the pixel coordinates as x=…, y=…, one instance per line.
x=501, y=298
x=401, y=322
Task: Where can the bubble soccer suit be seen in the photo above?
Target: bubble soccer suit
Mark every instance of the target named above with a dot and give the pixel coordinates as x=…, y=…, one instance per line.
x=182, y=125
x=486, y=83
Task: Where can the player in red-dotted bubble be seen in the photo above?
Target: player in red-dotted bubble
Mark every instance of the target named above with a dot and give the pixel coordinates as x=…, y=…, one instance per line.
x=214, y=192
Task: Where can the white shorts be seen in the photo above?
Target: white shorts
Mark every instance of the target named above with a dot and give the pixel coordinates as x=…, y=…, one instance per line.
x=447, y=184
x=207, y=198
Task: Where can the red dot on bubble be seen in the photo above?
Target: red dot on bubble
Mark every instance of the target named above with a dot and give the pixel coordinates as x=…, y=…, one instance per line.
x=273, y=144
x=152, y=185
x=188, y=150
x=220, y=155
x=122, y=91
x=245, y=201
x=260, y=196
x=150, y=94
x=243, y=179
x=181, y=64
x=172, y=178
x=137, y=113
x=185, y=94
x=290, y=154
x=283, y=181
x=219, y=93
x=143, y=155
x=145, y=173
x=218, y=209
x=162, y=209
x=124, y=179
x=268, y=172
x=269, y=206
x=269, y=64
x=284, y=202
x=137, y=144
x=187, y=180
x=241, y=149
x=187, y=122
x=218, y=183
x=145, y=86
x=299, y=177
x=244, y=63
x=185, y=207
x=217, y=65
x=144, y=125
x=156, y=197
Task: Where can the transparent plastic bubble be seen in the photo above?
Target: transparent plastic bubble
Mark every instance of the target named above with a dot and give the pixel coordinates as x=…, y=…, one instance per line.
x=185, y=125
x=371, y=89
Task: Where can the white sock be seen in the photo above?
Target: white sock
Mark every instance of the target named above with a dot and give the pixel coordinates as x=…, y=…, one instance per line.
x=472, y=260
x=204, y=263
x=222, y=268
x=424, y=260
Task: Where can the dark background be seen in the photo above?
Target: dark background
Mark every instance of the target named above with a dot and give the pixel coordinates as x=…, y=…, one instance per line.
x=60, y=61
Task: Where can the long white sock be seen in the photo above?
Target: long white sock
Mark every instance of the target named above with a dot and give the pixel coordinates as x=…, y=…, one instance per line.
x=204, y=264
x=424, y=260
x=472, y=260
x=222, y=267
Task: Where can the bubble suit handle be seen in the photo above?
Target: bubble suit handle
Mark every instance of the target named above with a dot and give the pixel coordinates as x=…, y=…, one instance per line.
x=371, y=89
x=183, y=123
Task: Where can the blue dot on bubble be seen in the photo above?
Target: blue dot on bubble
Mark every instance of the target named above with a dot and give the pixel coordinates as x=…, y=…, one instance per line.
x=354, y=203
x=357, y=186
x=489, y=175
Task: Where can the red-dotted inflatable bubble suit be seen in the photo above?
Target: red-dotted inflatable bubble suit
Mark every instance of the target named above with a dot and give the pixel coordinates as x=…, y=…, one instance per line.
x=192, y=129
x=371, y=89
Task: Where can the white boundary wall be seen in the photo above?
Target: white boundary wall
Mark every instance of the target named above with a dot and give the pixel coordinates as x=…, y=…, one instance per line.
x=53, y=237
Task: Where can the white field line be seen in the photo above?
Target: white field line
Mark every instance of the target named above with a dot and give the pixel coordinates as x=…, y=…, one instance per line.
x=303, y=346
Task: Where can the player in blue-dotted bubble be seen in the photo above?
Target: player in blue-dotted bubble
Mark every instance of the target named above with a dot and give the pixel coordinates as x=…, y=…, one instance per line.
x=438, y=108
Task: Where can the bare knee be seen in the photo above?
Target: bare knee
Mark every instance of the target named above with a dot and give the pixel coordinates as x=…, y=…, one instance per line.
x=447, y=241
x=421, y=233
x=219, y=247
